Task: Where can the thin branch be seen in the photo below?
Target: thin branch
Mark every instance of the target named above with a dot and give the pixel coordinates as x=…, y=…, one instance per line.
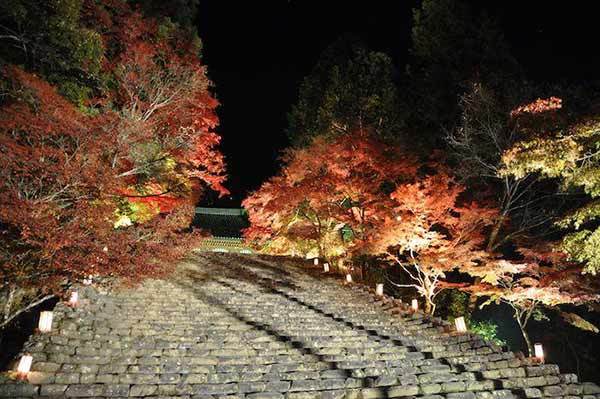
x=31, y=305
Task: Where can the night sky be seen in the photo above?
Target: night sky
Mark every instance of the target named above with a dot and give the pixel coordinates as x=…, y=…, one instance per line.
x=258, y=52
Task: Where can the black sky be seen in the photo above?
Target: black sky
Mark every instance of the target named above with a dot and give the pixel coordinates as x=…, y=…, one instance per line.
x=258, y=52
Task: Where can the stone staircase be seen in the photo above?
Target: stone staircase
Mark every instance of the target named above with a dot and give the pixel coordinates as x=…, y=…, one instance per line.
x=236, y=326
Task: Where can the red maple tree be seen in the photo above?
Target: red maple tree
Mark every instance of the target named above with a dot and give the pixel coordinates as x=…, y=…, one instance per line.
x=429, y=232
x=542, y=279
x=108, y=191
x=328, y=197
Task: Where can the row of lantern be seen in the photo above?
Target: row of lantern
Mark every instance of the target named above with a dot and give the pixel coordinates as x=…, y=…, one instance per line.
x=44, y=326
x=459, y=322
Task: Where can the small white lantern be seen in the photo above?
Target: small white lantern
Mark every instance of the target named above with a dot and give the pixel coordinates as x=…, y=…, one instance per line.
x=88, y=280
x=45, y=324
x=414, y=305
x=460, y=324
x=316, y=261
x=538, y=350
x=348, y=278
x=379, y=289
x=74, y=298
x=326, y=267
x=24, y=366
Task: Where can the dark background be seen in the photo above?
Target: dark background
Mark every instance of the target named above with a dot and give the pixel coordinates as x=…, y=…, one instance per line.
x=258, y=52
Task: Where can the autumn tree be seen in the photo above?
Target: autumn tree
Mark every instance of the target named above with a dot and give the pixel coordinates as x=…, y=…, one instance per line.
x=539, y=282
x=487, y=129
x=328, y=197
x=431, y=232
x=569, y=153
x=107, y=188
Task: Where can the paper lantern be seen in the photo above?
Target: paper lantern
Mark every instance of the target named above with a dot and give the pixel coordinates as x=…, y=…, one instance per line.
x=45, y=324
x=326, y=267
x=379, y=289
x=460, y=324
x=88, y=280
x=348, y=278
x=538, y=350
x=316, y=261
x=414, y=305
x=24, y=366
x=74, y=298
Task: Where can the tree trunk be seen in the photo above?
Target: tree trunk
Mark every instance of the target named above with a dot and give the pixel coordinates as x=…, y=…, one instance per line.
x=525, y=336
x=473, y=298
x=495, y=232
x=10, y=296
x=429, y=306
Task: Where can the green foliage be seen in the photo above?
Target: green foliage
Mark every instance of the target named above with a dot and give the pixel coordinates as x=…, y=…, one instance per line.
x=451, y=47
x=50, y=38
x=487, y=330
x=570, y=155
x=350, y=88
x=458, y=304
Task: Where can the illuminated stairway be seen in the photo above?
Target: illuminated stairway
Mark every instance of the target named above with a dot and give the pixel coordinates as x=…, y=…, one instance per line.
x=235, y=326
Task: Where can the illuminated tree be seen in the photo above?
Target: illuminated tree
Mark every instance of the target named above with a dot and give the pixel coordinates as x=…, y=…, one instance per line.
x=567, y=152
x=430, y=233
x=528, y=287
x=329, y=197
x=107, y=186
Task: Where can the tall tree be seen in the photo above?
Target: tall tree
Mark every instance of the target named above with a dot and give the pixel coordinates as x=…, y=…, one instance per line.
x=487, y=128
x=452, y=45
x=350, y=88
x=52, y=39
x=569, y=153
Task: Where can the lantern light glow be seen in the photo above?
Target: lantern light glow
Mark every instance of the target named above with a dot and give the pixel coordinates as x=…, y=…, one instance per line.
x=24, y=366
x=74, y=298
x=348, y=278
x=326, y=267
x=379, y=289
x=45, y=323
x=539, y=352
x=415, y=305
x=460, y=324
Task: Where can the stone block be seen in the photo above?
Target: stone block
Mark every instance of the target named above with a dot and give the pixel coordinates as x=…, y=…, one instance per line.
x=532, y=393
x=85, y=390
x=460, y=395
x=53, y=390
x=398, y=391
x=265, y=395
x=430, y=389
x=143, y=390
x=551, y=391
x=456, y=386
x=215, y=389
x=589, y=388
